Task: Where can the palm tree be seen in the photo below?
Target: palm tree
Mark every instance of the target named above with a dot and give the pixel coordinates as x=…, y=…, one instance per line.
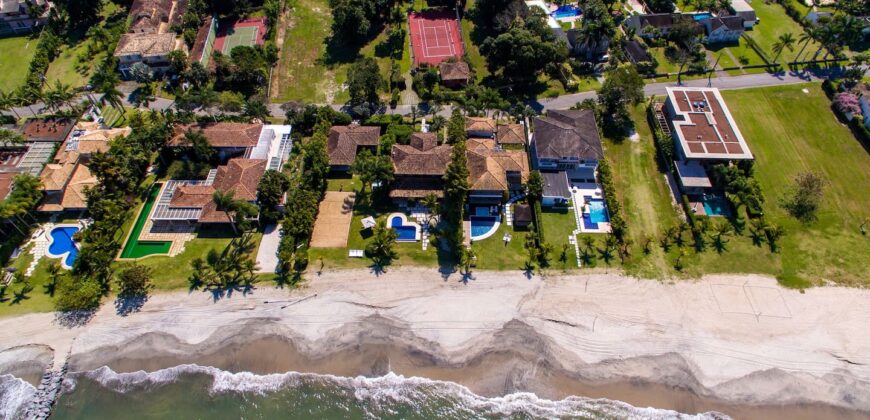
x=720, y=231
x=227, y=202
x=806, y=37
x=113, y=97
x=22, y=97
x=430, y=201
x=785, y=41
x=8, y=102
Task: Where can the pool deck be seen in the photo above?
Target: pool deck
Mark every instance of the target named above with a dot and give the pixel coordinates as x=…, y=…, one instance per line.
x=579, y=193
x=405, y=222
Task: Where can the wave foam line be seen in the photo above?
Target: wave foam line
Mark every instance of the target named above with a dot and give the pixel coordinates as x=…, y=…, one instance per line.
x=15, y=395
x=388, y=389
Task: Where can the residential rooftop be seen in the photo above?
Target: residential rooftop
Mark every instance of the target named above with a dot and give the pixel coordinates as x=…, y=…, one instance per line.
x=345, y=140
x=48, y=129
x=147, y=44
x=221, y=134
x=567, y=133
x=704, y=126
x=494, y=169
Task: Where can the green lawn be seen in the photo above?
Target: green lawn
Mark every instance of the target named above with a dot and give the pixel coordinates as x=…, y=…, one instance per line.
x=15, y=56
x=787, y=139
x=471, y=47
x=67, y=66
x=343, y=184
x=307, y=71
x=665, y=66
x=35, y=301
x=558, y=227
x=774, y=22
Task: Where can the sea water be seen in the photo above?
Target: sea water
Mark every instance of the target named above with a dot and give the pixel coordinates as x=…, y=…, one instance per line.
x=197, y=392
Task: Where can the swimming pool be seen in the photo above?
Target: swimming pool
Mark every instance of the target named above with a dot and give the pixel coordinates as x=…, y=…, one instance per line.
x=701, y=16
x=715, y=205
x=63, y=246
x=566, y=11
x=597, y=213
x=483, y=227
x=405, y=232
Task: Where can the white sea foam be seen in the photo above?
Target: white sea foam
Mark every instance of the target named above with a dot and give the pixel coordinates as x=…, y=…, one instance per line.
x=15, y=394
x=381, y=392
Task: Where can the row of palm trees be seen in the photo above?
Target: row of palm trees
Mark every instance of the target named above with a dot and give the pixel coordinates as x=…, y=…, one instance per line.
x=59, y=95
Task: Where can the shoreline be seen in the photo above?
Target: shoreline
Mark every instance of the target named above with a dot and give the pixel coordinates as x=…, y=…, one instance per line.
x=723, y=343
x=493, y=374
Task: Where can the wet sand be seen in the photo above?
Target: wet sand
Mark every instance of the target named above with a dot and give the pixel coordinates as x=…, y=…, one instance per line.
x=490, y=375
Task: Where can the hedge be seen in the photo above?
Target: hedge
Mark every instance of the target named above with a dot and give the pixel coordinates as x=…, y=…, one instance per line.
x=617, y=223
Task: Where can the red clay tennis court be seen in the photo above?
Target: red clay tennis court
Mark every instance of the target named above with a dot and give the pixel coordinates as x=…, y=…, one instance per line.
x=434, y=37
x=247, y=32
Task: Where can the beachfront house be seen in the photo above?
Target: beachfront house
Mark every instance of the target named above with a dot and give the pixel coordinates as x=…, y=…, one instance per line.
x=345, y=141
x=419, y=168
x=704, y=133
x=188, y=202
x=66, y=178
x=231, y=139
x=566, y=148
x=495, y=174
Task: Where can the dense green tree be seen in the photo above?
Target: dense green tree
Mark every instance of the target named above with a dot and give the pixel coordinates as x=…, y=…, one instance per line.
x=134, y=280
x=661, y=6
x=300, y=214
x=535, y=185
x=81, y=13
x=315, y=163
x=381, y=249
x=75, y=294
x=498, y=15
x=804, y=197
x=372, y=168
x=521, y=53
x=456, y=127
x=622, y=87
x=350, y=22
x=363, y=81
x=270, y=189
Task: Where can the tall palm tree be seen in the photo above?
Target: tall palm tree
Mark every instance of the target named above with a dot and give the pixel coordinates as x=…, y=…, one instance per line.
x=806, y=37
x=227, y=202
x=785, y=41
x=8, y=103
x=113, y=97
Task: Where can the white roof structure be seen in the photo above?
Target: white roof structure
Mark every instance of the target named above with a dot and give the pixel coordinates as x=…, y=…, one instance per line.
x=704, y=126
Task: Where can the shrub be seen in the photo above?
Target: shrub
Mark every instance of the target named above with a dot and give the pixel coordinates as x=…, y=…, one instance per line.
x=847, y=103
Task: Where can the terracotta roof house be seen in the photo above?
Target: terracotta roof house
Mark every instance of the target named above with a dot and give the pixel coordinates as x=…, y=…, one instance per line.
x=566, y=142
x=229, y=139
x=345, y=141
x=419, y=167
x=494, y=171
x=147, y=16
x=723, y=29
x=151, y=49
x=480, y=127
x=150, y=39
x=511, y=134
x=53, y=130
x=704, y=133
x=659, y=24
x=265, y=147
x=7, y=180
x=66, y=179
x=454, y=74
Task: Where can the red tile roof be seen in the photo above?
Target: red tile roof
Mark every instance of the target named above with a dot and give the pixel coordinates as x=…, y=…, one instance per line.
x=221, y=134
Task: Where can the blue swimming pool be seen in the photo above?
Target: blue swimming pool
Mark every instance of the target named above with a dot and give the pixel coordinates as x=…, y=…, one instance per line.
x=62, y=243
x=481, y=226
x=701, y=16
x=566, y=12
x=597, y=213
x=715, y=205
x=405, y=233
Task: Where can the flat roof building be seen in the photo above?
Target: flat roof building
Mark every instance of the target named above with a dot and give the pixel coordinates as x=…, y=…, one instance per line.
x=702, y=125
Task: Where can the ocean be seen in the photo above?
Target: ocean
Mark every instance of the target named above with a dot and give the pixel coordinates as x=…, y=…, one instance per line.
x=197, y=392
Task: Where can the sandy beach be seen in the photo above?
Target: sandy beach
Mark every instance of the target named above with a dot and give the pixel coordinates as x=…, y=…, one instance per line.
x=740, y=345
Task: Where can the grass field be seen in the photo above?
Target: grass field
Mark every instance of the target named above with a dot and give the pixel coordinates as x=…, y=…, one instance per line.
x=67, y=67
x=305, y=71
x=15, y=56
x=774, y=22
x=788, y=139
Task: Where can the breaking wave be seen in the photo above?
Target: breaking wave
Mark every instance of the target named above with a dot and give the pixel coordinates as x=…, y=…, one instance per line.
x=385, y=395
x=15, y=394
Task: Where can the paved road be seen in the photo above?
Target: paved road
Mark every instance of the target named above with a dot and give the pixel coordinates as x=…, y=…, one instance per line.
x=565, y=101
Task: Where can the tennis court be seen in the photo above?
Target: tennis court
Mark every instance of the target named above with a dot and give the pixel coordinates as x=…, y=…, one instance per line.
x=434, y=37
x=246, y=33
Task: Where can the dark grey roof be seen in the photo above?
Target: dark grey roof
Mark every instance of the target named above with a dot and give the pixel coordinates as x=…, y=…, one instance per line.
x=733, y=23
x=636, y=52
x=556, y=184
x=567, y=133
x=522, y=213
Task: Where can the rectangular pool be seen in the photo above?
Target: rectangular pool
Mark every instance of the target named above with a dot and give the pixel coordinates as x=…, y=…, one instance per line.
x=597, y=213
